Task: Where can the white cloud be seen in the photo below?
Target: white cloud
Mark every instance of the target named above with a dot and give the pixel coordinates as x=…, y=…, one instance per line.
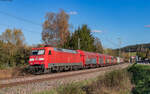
x=73, y=13
x=97, y=31
x=147, y=26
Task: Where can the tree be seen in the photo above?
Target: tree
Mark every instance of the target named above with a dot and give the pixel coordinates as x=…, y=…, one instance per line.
x=143, y=53
x=14, y=37
x=83, y=37
x=55, y=28
x=98, y=45
x=111, y=52
x=13, y=49
x=18, y=36
x=126, y=56
x=148, y=54
x=66, y=45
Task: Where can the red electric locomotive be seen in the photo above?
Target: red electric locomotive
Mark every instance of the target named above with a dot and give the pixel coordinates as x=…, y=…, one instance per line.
x=45, y=59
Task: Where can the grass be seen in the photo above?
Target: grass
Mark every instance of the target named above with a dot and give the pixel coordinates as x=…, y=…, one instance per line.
x=133, y=80
x=6, y=73
x=71, y=88
x=115, y=82
x=53, y=91
x=13, y=72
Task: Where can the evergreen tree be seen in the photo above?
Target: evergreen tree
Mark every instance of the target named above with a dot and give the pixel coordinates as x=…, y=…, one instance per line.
x=84, y=40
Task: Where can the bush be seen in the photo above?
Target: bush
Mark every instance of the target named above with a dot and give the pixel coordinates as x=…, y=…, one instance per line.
x=141, y=78
x=72, y=88
x=115, y=82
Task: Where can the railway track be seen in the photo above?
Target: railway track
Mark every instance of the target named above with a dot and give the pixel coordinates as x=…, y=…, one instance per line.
x=45, y=77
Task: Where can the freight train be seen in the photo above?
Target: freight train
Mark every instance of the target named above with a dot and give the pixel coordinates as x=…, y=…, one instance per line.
x=50, y=59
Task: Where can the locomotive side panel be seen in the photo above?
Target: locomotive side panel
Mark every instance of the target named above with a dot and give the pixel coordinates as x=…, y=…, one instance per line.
x=63, y=57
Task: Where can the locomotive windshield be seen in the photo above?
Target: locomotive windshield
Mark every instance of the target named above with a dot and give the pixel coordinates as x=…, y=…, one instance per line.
x=38, y=52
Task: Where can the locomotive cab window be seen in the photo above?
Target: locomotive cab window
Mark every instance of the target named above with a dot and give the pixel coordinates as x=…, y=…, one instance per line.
x=34, y=52
x=38, y=52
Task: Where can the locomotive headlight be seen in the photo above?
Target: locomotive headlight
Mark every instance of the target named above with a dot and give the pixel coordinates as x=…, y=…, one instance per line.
x=31, y=59
x=41, y=58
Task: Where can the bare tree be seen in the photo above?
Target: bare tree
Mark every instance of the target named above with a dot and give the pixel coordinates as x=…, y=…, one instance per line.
x=55, y=28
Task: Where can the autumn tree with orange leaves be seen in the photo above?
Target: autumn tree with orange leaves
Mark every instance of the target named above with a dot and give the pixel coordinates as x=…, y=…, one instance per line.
x=13, y=50
x=55, y=28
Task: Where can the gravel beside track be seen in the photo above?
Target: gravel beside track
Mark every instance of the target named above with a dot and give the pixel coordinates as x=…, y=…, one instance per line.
x=32, y=84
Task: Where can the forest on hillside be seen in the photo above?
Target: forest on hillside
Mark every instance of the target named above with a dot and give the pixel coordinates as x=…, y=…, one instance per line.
x=137, y=47
x=140, y=50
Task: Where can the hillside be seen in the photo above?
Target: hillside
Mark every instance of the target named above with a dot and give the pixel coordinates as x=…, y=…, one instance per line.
x=135, y=48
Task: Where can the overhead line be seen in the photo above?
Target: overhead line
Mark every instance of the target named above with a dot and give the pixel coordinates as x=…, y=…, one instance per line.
x=20, y=18
x=109, y=40
x=35, y=23
x=22, y=28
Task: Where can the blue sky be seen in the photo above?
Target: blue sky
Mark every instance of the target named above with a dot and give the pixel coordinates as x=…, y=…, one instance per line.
x=124, y=19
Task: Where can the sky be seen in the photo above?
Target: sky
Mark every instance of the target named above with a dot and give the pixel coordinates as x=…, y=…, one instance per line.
x=117, y=23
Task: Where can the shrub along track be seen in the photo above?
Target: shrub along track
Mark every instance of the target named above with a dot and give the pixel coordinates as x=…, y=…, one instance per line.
x=39, y=78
